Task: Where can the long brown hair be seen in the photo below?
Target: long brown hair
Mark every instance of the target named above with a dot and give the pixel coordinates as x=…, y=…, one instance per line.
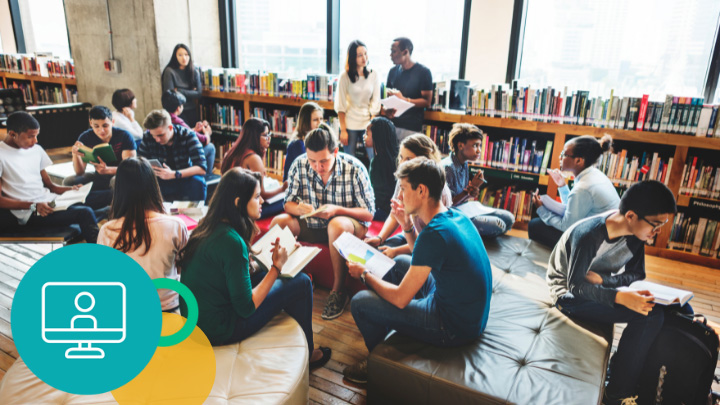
x=235, y=183
x=136, y=192
x=351, y=63
x=421, y=145
x=249, y=139
x=305, y=118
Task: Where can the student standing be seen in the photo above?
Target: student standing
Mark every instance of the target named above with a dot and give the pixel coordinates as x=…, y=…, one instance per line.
x=358, y=97
x=310, y=117
x=248, y=152
x=233, y=305
x=181, y=75
x=381, y=137
x=26, y=191
x=592, y=194
x=410, y=81
x=125, y=104
x=139, y=227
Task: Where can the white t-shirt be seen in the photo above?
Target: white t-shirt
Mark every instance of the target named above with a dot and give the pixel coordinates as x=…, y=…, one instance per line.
x=359, y=101
x=169, y=235
x=20, y=173
x=123, y=122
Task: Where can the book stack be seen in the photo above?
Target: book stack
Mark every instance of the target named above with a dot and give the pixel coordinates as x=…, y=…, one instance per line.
x=624, y=170
x=223, y=117
x=700, y=179
x=519, y=203
x=682, y=115
x=37, y=65
x=695, y=235
x=314, y=87
x=281, y=122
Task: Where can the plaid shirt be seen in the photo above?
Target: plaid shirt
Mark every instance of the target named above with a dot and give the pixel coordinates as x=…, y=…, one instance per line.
x=348, y=187
x=185, y=151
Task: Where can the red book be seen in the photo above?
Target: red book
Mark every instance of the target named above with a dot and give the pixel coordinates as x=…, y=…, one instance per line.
x=643, y=111
x=189, y=222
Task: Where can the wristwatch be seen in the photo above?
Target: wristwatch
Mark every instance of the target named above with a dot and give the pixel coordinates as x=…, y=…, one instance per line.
x=362, y=276
x=178, y=174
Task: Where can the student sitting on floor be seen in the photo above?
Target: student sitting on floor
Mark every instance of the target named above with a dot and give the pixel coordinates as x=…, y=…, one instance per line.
x=26, y=191
x=380, y=136
x=182, y=175
x=338, y=187
x=139, y=227
x=232, y=303
x=101, y=131
x=416, y=145
x=442, y=296
x=125, y=104
x=592, y=194
x=583, y=280
x=310, y=117
x=173, y=102
x=466, y=142
x=248, y=152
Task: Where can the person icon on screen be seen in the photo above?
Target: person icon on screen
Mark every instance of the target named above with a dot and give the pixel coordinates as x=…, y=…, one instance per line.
x=84, y=310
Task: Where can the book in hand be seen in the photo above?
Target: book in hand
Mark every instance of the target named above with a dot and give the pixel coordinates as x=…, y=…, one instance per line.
x=68, y=198
x=355, y=250
x=298, y=257
x=662, y=294
x=103, y=151
x=315, y=212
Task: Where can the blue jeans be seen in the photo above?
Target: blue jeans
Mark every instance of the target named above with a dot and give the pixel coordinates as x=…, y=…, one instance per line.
x=270, y=210
x=209, y=151
x=355, y=136
x=101, y=193
x=293, y=295
x=495, y=224
x=81, y=215
x=634, y=343
x=420, y=319
x=186, y=189
x=543, y=233
x=395, y=241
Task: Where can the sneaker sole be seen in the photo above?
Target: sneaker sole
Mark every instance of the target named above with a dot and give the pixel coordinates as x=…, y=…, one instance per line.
x=355, y=380
x=328, y=318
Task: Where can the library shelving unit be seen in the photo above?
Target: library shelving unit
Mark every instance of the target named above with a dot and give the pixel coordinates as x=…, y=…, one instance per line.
x=559, y=134
x=34, y=83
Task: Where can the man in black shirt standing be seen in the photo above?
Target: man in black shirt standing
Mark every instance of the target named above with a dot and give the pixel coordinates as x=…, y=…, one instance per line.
x=411, y=82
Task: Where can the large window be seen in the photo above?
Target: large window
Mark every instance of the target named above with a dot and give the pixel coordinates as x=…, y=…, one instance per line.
x=435, y=28
x=282, y=36
x=654, y=47
x=44, y=28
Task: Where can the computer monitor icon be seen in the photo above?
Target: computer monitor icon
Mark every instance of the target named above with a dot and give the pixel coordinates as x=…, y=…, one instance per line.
x=83, y=313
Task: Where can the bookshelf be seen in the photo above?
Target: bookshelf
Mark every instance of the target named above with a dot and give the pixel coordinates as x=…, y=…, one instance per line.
x=32, y=84
x=559, y=134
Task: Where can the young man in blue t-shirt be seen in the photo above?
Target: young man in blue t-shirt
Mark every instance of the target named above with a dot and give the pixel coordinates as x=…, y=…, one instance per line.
x=443, y=298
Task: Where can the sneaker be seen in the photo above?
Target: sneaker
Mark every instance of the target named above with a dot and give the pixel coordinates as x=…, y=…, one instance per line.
x=357, y=373
x=335, y=305
x=620, y=401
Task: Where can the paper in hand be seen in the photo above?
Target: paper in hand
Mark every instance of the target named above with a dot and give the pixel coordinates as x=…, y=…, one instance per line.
x=398, y=104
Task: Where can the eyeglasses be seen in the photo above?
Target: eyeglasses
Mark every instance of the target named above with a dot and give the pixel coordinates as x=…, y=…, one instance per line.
x=656, y=227
x=563, y=155
x=268, y=135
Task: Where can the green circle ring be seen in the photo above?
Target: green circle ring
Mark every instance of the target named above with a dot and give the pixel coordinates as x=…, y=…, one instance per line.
x=192, y=307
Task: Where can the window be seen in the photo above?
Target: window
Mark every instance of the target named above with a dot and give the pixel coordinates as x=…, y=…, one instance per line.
x=434, y=27
x=282, y=36
x=44, y=27
x=654, y=47
x=717, y=94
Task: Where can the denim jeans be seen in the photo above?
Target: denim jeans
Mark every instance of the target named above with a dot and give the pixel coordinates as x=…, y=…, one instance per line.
x=186, y=189
x=209, y=151
x=420, y=319
x=101, y=193
x=77, y=214
x=495, y=224
x=294, y=295
x=543, y=233
x=635, y=341
x=396, y=240
x=270, y=210
x=355, y=136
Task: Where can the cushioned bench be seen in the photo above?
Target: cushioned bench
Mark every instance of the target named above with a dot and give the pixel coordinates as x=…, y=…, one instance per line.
x=30, y=234
x=530, y=352
x=271, y=367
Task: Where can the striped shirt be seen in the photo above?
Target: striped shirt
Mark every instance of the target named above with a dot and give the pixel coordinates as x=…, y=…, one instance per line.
x=348, y=187
x=185, y=151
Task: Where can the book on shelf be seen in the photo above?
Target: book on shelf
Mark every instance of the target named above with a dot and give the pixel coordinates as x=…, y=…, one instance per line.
x=625, y=170
x=662, y=294
x=39, y=64
x=695, y=235
x=519, y=203
x=298, y=256
x=225, y=117
x=700, y=179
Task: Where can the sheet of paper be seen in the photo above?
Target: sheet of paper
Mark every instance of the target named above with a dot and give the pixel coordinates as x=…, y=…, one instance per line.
x=473, y=209
x=398, y=104
x=68, y=198
x=355, y=250
x=552, y=205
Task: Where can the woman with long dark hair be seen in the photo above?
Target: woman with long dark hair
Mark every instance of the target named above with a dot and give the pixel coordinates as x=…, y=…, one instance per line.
x=358, y=97
x=310, y=117
x=380, y=136
x=233, y=305
x=181, y=75
x=248, y=152
x=139, y=227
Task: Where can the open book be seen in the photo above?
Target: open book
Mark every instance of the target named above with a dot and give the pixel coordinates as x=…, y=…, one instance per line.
x=104, y=151
x=552, y=205
x=298, y=257
x=355, y=250
x=664, y=295
x=68, y=198
x=398, y=104
x=312, y=214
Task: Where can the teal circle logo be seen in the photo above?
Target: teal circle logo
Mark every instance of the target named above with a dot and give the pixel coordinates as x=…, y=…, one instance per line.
x=86, y=319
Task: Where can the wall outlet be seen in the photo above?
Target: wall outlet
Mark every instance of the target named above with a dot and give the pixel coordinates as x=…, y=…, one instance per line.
x=112, y=66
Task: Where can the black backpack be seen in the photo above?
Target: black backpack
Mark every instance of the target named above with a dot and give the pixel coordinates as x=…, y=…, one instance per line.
x=680, y=365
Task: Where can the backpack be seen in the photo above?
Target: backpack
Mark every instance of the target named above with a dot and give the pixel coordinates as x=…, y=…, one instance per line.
x=680, y=365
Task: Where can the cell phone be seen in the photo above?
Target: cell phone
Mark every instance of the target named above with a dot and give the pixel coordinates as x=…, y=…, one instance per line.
x=155, y=163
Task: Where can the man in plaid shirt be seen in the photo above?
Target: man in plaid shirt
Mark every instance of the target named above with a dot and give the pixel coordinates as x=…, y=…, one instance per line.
x=182, y=175
x=336, y=188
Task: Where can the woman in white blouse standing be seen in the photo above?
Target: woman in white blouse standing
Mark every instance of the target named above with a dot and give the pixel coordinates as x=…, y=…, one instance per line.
x=358, y=98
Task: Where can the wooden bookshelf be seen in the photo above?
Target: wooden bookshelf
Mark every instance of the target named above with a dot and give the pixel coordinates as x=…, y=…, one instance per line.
x=559, y=134
x=33, y=79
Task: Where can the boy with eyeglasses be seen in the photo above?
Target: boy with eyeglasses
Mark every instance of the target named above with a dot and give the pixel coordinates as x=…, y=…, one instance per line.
x=583, y=280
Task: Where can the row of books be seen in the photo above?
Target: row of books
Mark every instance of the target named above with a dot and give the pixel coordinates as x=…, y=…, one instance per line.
x=314, y=87
x=282, y=122
x=40, y=64
x=222, y=117
x=517, y=154
x=274, y=160
x=26, y=91
x=519, y=203
x=683, y=115
x=55, y=95
x=700, y=179
x=625, y=170
x=695, y=235
x=438, y=135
